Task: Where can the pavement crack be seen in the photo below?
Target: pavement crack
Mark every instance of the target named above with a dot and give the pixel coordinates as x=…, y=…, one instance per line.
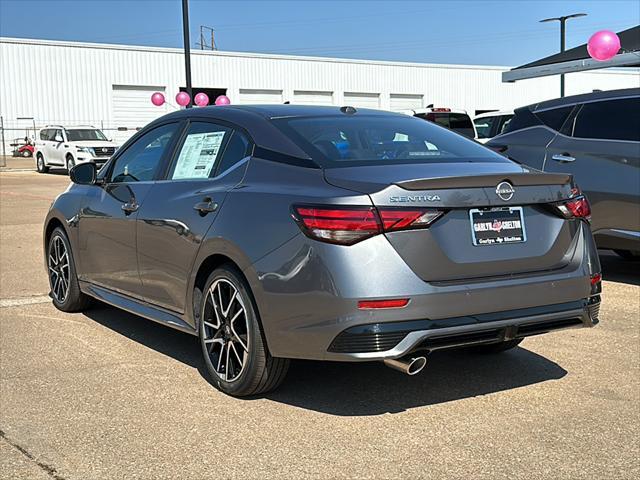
x=46, y=468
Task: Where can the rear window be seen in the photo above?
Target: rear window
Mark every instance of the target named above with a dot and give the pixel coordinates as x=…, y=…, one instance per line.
x=335, y=141
x=460, y=122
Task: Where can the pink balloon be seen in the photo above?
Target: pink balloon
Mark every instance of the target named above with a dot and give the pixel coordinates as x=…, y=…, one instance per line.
x=183, y=99
x=157, y=99
x=603, y=45
x=223, y=100
x=201, y=99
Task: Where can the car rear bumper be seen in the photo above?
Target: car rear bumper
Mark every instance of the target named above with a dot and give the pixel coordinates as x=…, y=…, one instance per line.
x=307, y=294
x=380, y=341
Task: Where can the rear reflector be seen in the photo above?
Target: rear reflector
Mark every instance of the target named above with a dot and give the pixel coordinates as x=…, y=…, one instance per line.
x=346, y=225
x=596, y=278
x=392, y=303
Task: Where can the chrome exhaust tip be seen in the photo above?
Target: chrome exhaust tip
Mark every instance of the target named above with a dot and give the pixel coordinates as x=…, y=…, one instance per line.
x=408, y=365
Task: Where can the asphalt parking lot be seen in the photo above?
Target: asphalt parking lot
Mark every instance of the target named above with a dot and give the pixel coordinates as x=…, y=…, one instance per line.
x=107, y=395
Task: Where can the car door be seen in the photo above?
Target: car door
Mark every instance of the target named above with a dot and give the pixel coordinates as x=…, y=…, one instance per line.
x=601, y=148
x=180, y=209
x=55, y=151
x=107, y=221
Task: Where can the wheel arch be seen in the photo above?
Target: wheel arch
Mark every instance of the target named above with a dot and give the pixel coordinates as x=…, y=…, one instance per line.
x=206, y=264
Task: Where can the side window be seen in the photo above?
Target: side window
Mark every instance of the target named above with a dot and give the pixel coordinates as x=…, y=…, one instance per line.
x=610, y=120
x=236, y=150
x=200, y=151
x=484, y=126
x=140, y=161
x=56, y=135
x=555, y=117
x=44, y=134
x=523, y=118
x=506, y=120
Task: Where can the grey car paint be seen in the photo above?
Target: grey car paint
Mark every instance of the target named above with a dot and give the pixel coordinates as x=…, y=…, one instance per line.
x=608, y=171
x=306, y=292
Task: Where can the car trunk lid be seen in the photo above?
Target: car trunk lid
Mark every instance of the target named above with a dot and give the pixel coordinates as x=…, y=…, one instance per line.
x=451, y=249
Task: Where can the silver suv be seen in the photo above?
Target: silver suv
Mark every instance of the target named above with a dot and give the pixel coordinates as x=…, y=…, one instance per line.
x=596, y=138
x=58, y=146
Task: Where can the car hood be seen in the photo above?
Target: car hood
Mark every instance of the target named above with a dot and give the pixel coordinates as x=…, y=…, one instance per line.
x=94, y=143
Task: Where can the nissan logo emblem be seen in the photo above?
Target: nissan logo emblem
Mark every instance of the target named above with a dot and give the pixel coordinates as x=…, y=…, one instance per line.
x=505, y=191
x=104, y=150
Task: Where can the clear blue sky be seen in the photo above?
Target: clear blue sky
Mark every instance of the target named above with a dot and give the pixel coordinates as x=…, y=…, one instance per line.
x=465, y=32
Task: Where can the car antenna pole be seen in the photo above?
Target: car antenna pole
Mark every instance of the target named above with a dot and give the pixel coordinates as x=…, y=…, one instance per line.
x=187, y=49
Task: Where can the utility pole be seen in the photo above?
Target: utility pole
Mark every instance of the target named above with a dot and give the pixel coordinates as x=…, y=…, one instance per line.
x=187, y=48
x=563, y=30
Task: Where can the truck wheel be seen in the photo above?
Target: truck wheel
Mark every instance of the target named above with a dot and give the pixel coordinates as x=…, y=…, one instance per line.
x=41, y=166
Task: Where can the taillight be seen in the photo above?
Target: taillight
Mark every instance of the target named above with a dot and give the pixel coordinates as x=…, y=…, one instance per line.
x=576, y=207
x=405, y=219
x=346, y=225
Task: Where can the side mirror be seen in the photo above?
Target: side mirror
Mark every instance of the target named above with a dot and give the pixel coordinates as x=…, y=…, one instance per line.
x=84, y=174
x=59, y=139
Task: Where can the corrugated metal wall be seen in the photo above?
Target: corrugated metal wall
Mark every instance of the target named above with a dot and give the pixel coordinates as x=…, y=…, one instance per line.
x=71, y=83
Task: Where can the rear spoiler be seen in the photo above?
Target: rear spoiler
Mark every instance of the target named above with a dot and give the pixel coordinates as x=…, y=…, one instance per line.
x=480, y=181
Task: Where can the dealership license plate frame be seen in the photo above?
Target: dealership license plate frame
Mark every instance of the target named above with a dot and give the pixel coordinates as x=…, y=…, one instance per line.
x=484, y=211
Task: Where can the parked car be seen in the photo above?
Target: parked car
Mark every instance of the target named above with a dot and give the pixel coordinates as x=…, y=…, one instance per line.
x=282, y=232
x=490, y=124
x=596, y=138
x=22, y=147
x=58, y=146
x=456, y=120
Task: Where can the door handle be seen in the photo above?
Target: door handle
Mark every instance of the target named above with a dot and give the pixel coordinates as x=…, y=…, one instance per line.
x=563, y=158
x=130, y=207
x=206, y=206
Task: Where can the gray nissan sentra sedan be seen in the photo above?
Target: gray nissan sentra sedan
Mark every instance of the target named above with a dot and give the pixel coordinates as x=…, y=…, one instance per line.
x=283, y=232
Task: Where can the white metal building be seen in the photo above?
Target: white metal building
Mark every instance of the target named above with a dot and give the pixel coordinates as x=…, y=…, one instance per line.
x=45, y=82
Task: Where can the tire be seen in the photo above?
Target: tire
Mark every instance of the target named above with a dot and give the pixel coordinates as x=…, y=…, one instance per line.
x=233, y=347
x=70, y=163
x=41, y=165
x=26, y=153
x=59, y=262
x=498, y=347
x=629, y=254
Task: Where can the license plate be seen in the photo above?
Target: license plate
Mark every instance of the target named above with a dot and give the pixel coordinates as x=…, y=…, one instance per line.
x=497, y=226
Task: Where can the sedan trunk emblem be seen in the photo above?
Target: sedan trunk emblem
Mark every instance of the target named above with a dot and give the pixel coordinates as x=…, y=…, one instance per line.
x=505, y=191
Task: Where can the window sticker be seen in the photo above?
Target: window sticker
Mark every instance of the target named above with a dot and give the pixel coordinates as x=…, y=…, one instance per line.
x=198, y=155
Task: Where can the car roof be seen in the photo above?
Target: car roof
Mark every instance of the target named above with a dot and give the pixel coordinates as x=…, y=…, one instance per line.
x=494, y=114
x=584, y=97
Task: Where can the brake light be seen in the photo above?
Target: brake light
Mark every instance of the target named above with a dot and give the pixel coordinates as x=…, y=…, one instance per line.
x=596, y=278
x=391, y=303
x=346, y=225
x=576, y=207
x=440, y=109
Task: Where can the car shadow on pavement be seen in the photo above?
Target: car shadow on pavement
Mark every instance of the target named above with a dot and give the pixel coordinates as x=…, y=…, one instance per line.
x=617, y=269
x=358, y=389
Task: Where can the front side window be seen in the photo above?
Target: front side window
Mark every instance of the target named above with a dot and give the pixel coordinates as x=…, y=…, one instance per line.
x=555, y=117
x=80, y=135
x=44, y=134
x=140, y=161
x=336, y=141
x=484, y=126
x=610, y=120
